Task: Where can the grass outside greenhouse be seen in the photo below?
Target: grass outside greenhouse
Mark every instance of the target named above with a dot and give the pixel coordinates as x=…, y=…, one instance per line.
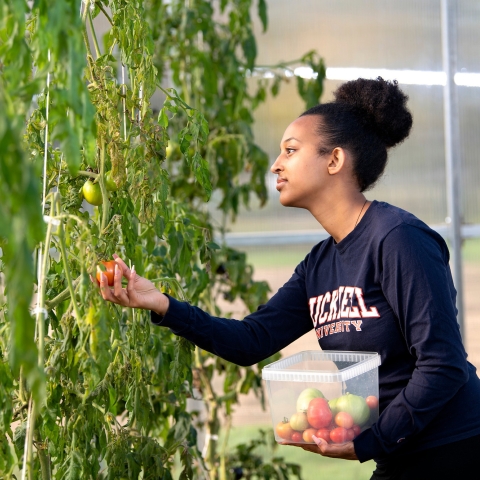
x=314, y=467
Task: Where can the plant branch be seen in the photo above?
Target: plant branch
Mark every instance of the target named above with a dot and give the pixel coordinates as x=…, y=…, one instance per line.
x=223, y=451
x=94, y=35
x=43, y=457
x=88, y=174
x=103, y=188
x=66, y=269
x=61, y=296
x=102, y=8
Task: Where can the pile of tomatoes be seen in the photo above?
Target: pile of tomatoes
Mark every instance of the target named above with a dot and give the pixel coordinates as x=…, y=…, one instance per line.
x=336, y=421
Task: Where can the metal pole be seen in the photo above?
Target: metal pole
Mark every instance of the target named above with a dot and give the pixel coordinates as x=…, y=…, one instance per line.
x=452, y=147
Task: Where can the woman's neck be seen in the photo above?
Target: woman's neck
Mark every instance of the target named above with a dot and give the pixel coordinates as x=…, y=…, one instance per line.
x=341, y=217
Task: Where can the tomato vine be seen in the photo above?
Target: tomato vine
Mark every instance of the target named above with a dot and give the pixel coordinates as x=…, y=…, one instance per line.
x=89, y=390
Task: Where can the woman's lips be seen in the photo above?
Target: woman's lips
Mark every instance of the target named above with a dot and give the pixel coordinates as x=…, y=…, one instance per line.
x=280, y=183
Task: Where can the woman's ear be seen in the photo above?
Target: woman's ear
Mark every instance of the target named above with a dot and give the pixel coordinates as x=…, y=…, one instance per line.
x=337, y=160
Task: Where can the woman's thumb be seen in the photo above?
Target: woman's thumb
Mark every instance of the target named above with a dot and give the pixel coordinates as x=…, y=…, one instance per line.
x=318, y=441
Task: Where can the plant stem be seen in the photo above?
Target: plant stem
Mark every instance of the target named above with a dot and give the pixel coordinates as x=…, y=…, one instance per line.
x=100, y=6
x=27, y=453
x=223, y=451
x=44, y=458
x=41, y=285
x=88, y=174
x=63, y=251
x=62, y=296
x=213, y=425
x=94, y=35
x=106, y=202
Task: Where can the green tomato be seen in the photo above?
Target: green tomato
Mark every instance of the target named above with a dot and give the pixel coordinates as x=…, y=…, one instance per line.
x=299, y=422
x=110, y=184
x=92, y=193
x=356, y=406
x=333, y=406
x=304, y=398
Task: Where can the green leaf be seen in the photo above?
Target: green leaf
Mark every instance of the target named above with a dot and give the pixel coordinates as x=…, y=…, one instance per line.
x=262, y=13
x=249, y=47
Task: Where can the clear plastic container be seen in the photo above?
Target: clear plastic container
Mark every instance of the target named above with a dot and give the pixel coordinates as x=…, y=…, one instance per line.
x=331, y=394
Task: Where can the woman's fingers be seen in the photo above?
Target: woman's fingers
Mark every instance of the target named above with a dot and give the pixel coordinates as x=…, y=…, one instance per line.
x=131, y=281
x=309, y=447
x=344, y=450
x=105, y=290
x=123, y=266
x=117, y=281
x=321, y=443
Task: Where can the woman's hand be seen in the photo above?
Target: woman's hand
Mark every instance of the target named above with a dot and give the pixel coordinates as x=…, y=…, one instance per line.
x=343, y=450
x=139, y=293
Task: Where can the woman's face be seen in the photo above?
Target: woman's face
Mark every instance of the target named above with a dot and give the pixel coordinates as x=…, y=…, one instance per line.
x=302, y=171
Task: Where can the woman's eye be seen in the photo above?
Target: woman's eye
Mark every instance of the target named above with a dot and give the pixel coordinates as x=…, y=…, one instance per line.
x=289, y=150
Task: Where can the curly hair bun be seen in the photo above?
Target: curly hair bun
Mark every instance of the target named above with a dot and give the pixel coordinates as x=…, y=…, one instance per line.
x=380, y=105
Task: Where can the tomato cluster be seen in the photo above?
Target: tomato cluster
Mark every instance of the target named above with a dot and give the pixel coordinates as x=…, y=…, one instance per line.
x=336, y=421
x=92, y=192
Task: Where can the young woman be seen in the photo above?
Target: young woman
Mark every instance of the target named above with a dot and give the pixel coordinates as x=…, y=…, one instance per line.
x=381, y=282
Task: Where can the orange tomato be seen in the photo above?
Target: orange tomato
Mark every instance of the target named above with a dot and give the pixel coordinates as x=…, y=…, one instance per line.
x=372, y=402
x=307, y=435
x=344, y=419
x=284, y=430
x=109, y=271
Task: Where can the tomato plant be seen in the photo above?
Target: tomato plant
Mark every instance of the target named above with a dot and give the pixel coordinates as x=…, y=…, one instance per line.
x=98, y=390
x=319, y=414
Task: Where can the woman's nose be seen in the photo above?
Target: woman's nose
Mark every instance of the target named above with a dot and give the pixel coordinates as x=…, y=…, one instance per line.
x=276, y=167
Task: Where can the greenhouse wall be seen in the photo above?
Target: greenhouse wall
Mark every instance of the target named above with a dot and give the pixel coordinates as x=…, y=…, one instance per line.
x=400, y=40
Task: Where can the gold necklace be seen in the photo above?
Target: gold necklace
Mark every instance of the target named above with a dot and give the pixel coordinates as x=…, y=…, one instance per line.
x=363, y=206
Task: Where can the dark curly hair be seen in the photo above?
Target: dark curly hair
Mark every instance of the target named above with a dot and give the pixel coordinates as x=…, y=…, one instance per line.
x=366, y=118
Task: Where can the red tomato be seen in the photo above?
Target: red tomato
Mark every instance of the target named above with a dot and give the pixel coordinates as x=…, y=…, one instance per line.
x=307, y=435
x=356, y=430
x=284, y=430
x=296, y=437
x=339, y=435
x=324, y=433
x=344, y=419
x=319, y=414
x=372, y=402
x=350, y=434
x=109, y=271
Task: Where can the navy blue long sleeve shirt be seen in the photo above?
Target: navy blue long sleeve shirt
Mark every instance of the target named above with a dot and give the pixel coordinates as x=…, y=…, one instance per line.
x=386, y=287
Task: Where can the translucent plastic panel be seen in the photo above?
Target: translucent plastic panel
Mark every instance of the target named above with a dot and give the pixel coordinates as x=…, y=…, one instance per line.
x=367, y=33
